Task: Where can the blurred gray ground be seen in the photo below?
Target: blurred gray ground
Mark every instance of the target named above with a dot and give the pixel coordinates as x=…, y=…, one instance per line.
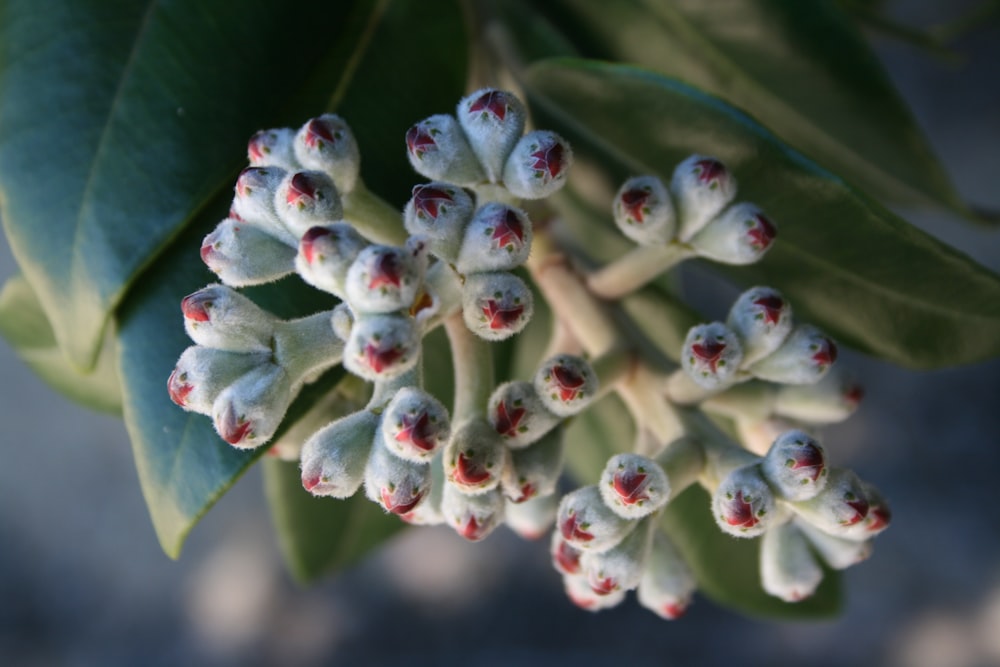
x=83, y=582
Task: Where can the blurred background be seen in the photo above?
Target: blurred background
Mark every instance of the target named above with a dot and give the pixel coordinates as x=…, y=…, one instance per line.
x=83, y=580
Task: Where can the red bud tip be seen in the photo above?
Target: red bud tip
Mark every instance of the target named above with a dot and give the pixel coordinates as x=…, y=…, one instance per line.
x=233, y=428
x=400, y=505
x=566, y=558
x=738, y=512
x=569, y=382
x=472, y=530
x=605, y=586
x=528, y=491
x=416, y=430
x=508, y=419
x=378, y=359
x=196, y=307
x=178, y=388
x=674, y=610
x=508, y=233
x=571, y=530
x=860, y=507
x=493, y=101
x=308, y=241
x=809, y=457
x=762, y=232
x=428, y=200
x=709, y=352
x=772, y=307
x=419, y=141
x=388, y=271
x=879, y=516
x=317, y=132
x=548, y=160
x=310, y=483
x=469, y=472
x=634, y=203
x=710, y=172
x=300, y=189
x=631, y=486
x=500, y=317
x=826, y=353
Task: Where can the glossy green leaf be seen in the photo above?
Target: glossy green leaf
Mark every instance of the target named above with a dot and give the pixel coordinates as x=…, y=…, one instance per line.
x=846, y=263
x=24, y=326
x=801, y=68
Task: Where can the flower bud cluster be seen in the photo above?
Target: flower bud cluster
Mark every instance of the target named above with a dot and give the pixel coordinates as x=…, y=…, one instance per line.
x=483, y=143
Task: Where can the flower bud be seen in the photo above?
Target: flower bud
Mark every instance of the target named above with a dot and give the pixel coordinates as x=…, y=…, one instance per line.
x=840, y=508
x=538, y=165
x=833, y=399
x=519, y=415
x=327, y=144
x=219, y=317
x=415, y=425
x=335, y=457
x=438, y=149
x=532, y=518
x=711, y=355
x=644, y=212
x=534, y=471
x=428, y=511
x=242, y=254
x=248, y=412
x=580, y=593
x=440, y=212
x=762, y=318
x=342, y=321
x=497, y=239
x=667, y=582
x=253, y=202
x=839, y=553
x=633, y=486
x=565, y=557
x=702, y=187
x=307, y=199
x=202, y=373
x=743, y=505
x=382, y=346
x=566, y=384
x=795, y=466
x=804, y=358
x=788, y=569
x=879, y=514
x=495, y=306
x=493, y=121
x=325, y=255
x=620, y=567
x=272, y=148
x=396, y=484
x=474, y=458
x=588, y=524
x=740, y=235
x=472, y=517
x=384, y=278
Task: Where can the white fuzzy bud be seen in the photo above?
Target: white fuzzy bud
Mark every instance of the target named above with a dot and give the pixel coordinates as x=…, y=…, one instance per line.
x=306, y=199
x=273, y=148
x=795, y=466
x=440, y=212
x=327, y=144
x=833, y=399
x=335, y=457
x=743, y=505
x=475, y=457
x=588, y=524
x=219, y=317
x=644, y=211
x=253, y=202
x=248, y=412
x=438, y=149
x=384, y=279
x=667, y=583
x=396, y=484
x=325, y=254
x=538, y=165
x=532, y=518
x=840, y=509
x=566, y=384
x=565, y=557
x=242, y=254
x=415, y=425
x=534, y=471
x=839, y=553
x=381, y=347
x=497, y=239
x=519, y=415
x=202, y=373
x=762, y=318
x=712, y=355
x=619, y=568
x=804, y=358
x=493, y=121
x=579, y=592
x=702, y=187
x=788, y=569
x=740, y=235
x=633, y=486
x=472, y=517
x=495, y=306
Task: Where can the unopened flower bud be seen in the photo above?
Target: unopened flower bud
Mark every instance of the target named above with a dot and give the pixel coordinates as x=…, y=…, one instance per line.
x=566, y=384
x=620, y=567
x=497, y=305
x=740, y=235
x=472, y=517
x=326, y=254
x=743, y=505
x=538, y=165
x=382, y=346
x=788, y=569
x=839, y=553
x=428, y=511
x=253, y=202
x=879, y=514
x=532, y=518
x=440, y=212
x=534, y=471
x=327, y=144
x=702, y=186
x=242, y=254
x=497, y=239
x=634, y=486
x=644, y=212
x=385, y=278
x=219, y=317
x=762, y=318
x=415, y=425
x=342, y=321
x=396, y=484
x=588, y=524
x=840, y=509
x=804, y=358
x=475, y=457
x=248, y=412
x=711, y=355
x=493, y=121
x=202, y=373
x=307, y=199
x=795, y=466
x=833, y=399
x=667, y=583
x=565, y=557
x=580, y=593
x=272, y=148
x=518, y=414
x=438, y=149
x=335, y=457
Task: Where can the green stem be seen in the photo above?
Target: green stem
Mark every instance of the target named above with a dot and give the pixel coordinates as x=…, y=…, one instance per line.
x=373, y=217
x=684, y=461
x=473, y=361
x=636, y=268
x=307, y=346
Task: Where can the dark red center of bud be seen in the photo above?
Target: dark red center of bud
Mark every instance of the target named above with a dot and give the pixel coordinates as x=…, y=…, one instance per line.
x=771, y=305
x=548, y=161
x=739, y=512
x=634, y=203
x=879, y=517
x=809, y=458
x=605, y=586
x=854, y=394
x=674, y=610
x=232, y=427
x=826, y=354
x=630, y=485
x=494, y=101
x=307, y=244
x=250, y=178
x=468, y=471
x=473, y=530
x=709, y=172
x=500, y=317
x=572, y=530
x=527, y=491
x=178, y=387
x=388, y=271
x=301, y=191
x=418, y=431
x=567, y=559
x=508, y=233
x=196, y=307
x=507, y=419
x=762, y=233
x=207, y=250
x=405, y=504
x=258, y=147
x=310, y=483
x=419, y=141
x=709, y=352
x=569, y=382
x=428, y=200
x=317, y=131
x=378, y=358
x=860, y=507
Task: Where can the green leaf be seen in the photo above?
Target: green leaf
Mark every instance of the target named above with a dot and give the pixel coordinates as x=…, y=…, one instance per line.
x=727, y=569
x=846, y=263
x=23, y=324
x=801, y=68
x=318, y=535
